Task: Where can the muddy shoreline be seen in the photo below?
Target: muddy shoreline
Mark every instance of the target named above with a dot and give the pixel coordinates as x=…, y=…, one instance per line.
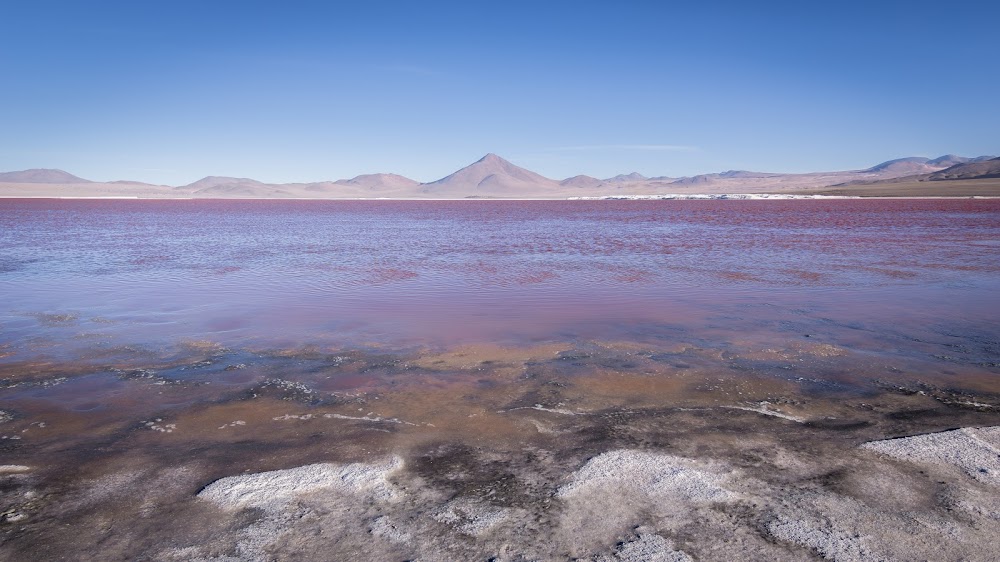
x=708, y=455
x=630, y=380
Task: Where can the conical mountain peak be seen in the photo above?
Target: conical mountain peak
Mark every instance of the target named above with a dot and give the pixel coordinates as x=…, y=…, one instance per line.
x=490, y=173
x=491, y=157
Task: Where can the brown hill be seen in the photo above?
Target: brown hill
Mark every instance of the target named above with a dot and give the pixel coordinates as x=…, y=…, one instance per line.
x=379, y=181
x=494, y=177
x=581, y=181
x=38, y=175
x=490, y=176
x=131, y=182
x=224, y=186
x=634, y=176
x=949, y=160
x=969, y=170
x=904, y=166
x=697, y=180
x=249, y=190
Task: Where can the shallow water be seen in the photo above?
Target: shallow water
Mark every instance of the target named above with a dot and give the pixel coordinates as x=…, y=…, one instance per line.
x=133, y=284
x=128, y=309
x=80, y=275
x=150, y=347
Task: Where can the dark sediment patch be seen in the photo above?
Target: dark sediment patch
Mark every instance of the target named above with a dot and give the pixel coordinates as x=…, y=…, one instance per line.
x=488, y=437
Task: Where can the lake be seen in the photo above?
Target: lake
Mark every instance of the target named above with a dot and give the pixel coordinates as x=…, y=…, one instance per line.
x=160, y=345
x=78, y=275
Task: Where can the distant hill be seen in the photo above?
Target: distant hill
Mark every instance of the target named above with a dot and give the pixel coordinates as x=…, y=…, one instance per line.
x=904, y=166
x=634, y=176
x=918, y=165
x=743, y=174
x=130, y=182
x=969, y=170
x=980, y=167
x=212, y=182
x=379, y=181
x=493, y=177
x=696, y=180
x=252, y=189
x=40, y=176
x=581, y=181
x=949, y=160
x=224, y=186
x=705, y=179
x=490, y=175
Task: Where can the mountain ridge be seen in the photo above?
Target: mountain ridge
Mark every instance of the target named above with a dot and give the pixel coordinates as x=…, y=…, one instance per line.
x=40, y=175
x=489, y=173
x=492, y=176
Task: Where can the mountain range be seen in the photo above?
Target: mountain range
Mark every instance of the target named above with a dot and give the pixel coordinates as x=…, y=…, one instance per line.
x=494, y=177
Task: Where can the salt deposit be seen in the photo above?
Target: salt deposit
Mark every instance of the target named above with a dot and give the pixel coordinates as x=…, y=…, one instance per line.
x=647, y=548
x=975, y=450
x=654, y=474
x=542, y=408
x=384, y=527
x=369, y=417
x=766, y=409
x=831, y=543
x=272, y=491
x=472, y=517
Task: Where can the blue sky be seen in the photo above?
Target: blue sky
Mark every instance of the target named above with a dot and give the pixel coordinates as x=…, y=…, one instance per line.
x=168, y=92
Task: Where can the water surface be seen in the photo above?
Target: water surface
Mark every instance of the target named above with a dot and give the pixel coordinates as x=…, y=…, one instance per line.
x=148, y=348
x=439, y=273
x=118, y=312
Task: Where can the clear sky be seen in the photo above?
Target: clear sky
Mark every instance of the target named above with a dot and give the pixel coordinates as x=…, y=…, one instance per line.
x=170, y=91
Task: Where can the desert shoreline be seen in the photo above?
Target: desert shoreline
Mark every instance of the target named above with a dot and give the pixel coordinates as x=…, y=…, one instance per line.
x=560, y=467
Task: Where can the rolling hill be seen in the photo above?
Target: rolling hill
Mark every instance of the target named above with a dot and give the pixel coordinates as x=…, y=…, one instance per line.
x=494, y=177
x=40, y=176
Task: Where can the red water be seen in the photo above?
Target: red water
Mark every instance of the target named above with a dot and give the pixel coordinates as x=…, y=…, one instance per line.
x=81, y=278
x=150, y=347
